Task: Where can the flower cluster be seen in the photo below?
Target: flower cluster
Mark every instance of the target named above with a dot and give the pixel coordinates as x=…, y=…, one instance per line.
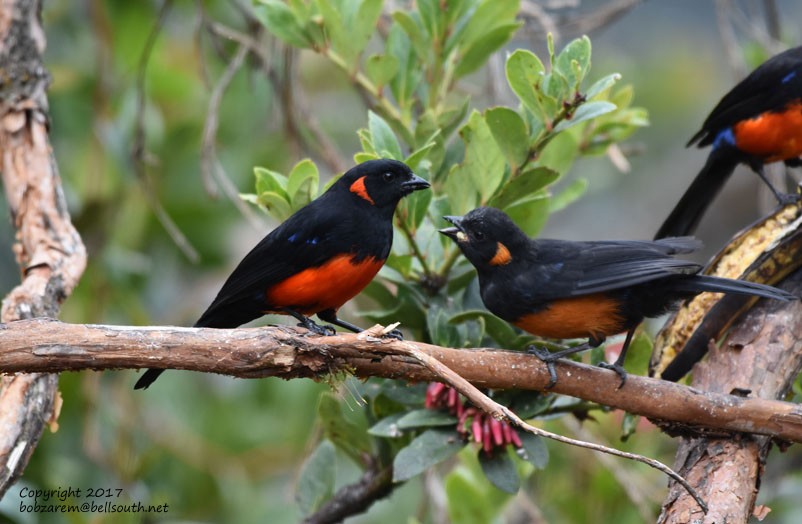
x=472, y=422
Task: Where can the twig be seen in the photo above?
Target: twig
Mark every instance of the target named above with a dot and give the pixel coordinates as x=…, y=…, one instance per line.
x=211, y=169
x=632, y=485
x=376, y=483
x=139, y=152
x=499, y=412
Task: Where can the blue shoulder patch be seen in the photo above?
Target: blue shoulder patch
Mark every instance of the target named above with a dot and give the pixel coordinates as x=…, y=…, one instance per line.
x=787, y=78
x=725, y=137
x=295, y=238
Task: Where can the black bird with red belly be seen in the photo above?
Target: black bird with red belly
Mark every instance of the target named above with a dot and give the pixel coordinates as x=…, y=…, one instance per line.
x=562, y=290
x=758, y=122
x=319, y=258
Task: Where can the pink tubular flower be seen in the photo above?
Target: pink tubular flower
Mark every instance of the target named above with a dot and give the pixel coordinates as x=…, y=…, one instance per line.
x=472, y=424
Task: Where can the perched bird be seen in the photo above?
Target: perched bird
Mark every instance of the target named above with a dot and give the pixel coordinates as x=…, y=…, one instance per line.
x=319, y=258
x=560, y=289
x=758, y=122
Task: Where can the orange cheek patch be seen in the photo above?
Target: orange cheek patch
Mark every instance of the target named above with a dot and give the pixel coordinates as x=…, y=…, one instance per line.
x=773, y=135
x=359, y=188
x=328, y=286
x=594, y=316
x=502, y=256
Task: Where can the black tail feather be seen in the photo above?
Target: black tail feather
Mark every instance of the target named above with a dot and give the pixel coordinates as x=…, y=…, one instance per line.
x=726, y=285
x=704, y=188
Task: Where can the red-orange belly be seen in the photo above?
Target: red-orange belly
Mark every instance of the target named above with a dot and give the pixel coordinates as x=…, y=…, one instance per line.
x=595, y=316
x=774, y=136
x=328, y=286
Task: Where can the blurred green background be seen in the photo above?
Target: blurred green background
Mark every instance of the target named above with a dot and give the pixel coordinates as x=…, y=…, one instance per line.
x=218, y=449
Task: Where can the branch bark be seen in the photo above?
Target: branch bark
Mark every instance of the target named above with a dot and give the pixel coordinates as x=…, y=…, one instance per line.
x=43, y=345
x=48, y=249
x=762, y=355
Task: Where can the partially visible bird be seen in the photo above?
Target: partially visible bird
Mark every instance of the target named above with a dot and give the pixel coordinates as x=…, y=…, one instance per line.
x=319, y=258
x=758, y=122
x=562, y=290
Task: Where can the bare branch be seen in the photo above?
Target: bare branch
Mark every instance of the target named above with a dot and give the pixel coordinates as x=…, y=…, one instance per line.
x=48, y=248
x=46, y=346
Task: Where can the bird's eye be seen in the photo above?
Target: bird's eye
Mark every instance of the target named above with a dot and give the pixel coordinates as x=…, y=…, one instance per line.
x=388, y=176
x=478, y=235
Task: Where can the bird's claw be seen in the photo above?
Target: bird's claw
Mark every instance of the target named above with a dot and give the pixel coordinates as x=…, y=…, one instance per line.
x=547, y=358
x=619, y=369
x=317, y=329
x=396, y=334
x=785, y=199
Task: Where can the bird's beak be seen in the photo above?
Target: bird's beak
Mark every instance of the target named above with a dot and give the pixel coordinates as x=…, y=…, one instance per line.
x=455, y=232
x=414, y=184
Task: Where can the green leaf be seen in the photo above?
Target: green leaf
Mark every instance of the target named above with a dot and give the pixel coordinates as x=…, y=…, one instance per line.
x=384, y=141
x=302, y=183
x=524, y=186
x=349, y=438
x=509, y=130
x=416, y=37
x=477, y=54
x=267, y=180
x=316, y=482
x=585, y=112
x=569, y=195
x=471, y=502
x=534, y=449
x=401, y=263
x=560, y=152
x=276, y=203
x=387, y=427
x=525, y=74
x=484, y=162
x=425, y=418
x=629, y=424
x=364, y=157
x=380, y=69
x=530, y=214
x=349, y=26
x=429, y=448
x=500, y=330
x=364, y=24
x=414, y=207
x=431, y=16
x=573, y=62
x=282, y=22
x=415, y=158
x=500, y=470
x=488, y=15
x=639, y=354
x=602, y=85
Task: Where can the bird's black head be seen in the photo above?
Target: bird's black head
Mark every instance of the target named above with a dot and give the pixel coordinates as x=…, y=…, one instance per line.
x=381, y=183
x=487, y=237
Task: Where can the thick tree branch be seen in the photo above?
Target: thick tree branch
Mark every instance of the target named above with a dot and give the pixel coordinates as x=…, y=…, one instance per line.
x=48, y=249
x=762, y=355
x=47, y=346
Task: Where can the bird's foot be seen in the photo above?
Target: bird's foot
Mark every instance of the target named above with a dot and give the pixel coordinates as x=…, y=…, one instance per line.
x=547, y=358
x=317, y=329
x=396, y=334
x=785, y=199
x=619, y=369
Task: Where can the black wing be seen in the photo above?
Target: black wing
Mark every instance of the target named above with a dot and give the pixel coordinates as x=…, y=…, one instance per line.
x=304, y=240
x=581, y=268
x=770, y=87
